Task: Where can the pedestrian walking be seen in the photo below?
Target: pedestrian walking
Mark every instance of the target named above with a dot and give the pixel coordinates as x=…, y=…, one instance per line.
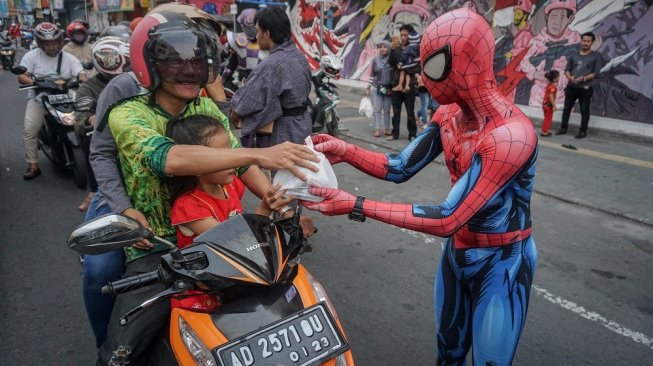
x=549, y=102
x=582, y=69
x=379, y=89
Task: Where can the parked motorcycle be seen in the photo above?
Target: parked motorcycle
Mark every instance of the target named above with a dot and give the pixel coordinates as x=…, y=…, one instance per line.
x=240, y=295
x=8, y=55
x=323, y=112
x=57, y=138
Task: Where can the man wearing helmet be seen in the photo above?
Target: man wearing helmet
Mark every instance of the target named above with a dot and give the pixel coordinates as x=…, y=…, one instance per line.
x=173, y=56
x=488, y=262
x=110, y=57
x=277, y=90
x=48, y=60
x=77, y=32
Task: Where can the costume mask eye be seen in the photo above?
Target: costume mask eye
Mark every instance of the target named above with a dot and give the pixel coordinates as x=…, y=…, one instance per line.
x=438, y=65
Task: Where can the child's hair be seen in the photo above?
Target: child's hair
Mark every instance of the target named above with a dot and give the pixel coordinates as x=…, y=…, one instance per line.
x=192, y=130
x=552, y=75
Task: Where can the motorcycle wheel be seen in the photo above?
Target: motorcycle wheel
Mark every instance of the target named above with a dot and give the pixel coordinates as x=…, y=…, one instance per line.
x=79, y=168
x=332, y=125
x=10, y=63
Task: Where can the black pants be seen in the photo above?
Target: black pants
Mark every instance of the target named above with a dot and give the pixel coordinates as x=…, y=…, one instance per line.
x=132, y=344
x=584, y=97
x=408, y=99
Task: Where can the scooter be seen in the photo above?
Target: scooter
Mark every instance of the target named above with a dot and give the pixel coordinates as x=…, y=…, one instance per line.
x=239, y=295
x=57, y=138
x=323, y=112
x=8, y=55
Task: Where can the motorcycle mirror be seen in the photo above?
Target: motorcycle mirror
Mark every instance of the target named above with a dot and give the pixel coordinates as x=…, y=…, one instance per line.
x=18, y=70
x=106, y=233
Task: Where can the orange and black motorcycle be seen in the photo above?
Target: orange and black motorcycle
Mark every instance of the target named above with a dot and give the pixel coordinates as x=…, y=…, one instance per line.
x=239, y=295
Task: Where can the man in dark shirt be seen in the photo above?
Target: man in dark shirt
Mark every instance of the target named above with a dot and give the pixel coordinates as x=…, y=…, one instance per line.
x=277, y=90
x=582, y=68
x=399, y=98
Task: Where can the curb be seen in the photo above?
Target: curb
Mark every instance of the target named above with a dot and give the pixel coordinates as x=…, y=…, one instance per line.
x=620, y=215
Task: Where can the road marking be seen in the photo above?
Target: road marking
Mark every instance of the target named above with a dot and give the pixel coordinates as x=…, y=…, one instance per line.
x=595, y=317
x=637, y=337
x=600, y=155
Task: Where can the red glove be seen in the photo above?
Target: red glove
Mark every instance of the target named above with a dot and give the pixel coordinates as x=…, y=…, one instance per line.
x=336, y=201
x=334, y=149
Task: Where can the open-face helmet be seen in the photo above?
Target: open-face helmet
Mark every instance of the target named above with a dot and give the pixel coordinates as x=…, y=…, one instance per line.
x=111, y=56
x=331, y=65
x=171, y=46
x=77, y=31
x=49, y=38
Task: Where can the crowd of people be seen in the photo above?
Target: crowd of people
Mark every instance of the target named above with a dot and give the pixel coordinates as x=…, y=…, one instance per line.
x=395, y=81
x=163, y=152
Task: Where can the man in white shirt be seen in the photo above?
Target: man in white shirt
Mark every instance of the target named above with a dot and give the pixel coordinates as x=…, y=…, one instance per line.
x=48, y=60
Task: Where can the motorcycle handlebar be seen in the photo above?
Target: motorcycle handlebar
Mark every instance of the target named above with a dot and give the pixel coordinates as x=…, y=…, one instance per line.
x=131, y=283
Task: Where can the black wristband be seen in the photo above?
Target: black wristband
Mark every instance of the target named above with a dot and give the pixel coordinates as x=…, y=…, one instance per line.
x=356, y=213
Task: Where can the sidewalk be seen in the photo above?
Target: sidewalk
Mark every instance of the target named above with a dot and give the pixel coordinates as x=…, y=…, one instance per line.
x=599, y=126
x=604, y=172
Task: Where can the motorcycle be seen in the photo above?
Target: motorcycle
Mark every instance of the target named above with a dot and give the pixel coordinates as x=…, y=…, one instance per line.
x=239, y=295
x=57, y=138
x=323, y=112
x=8, y=55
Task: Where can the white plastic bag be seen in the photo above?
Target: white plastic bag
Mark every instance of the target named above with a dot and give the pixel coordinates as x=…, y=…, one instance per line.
x=365, y=108
x=294, y=186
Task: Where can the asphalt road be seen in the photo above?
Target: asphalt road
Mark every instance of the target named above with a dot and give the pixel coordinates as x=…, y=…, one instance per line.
x=590, y=303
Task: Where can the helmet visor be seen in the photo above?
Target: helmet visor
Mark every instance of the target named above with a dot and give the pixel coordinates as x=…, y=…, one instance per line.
x=184, y=56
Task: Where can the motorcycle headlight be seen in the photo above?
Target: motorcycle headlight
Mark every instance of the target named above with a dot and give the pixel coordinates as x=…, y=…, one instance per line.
x=68, y=119
x=321, y=295
x=195, y=346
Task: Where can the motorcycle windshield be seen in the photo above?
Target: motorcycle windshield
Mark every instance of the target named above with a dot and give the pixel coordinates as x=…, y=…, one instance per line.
x=251, y=244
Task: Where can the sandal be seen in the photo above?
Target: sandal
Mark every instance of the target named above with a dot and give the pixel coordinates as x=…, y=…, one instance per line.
x=388, y=132
x=32, y=172
x=87, y=201
x=377, y=133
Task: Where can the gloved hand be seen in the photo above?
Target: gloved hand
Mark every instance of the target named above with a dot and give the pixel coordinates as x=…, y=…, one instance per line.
x=336, y=201
x=334, y=149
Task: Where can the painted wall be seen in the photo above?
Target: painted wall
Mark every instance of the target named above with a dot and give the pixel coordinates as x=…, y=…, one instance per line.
x=524, y=49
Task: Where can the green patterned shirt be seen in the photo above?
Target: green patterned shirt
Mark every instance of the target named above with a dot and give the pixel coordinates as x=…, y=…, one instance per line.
x=139, y=130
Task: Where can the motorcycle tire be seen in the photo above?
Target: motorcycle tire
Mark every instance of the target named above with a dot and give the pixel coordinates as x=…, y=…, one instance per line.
x=332, y=125
x=79, y=168
x=10, y=64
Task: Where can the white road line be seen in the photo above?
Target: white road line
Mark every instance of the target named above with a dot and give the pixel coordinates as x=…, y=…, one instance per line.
x=595, y=317
x=565, y=304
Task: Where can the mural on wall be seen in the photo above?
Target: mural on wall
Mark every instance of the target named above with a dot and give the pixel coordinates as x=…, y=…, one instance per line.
x=532, y=37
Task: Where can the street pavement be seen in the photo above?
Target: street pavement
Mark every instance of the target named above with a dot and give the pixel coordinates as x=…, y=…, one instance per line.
x=590, y=303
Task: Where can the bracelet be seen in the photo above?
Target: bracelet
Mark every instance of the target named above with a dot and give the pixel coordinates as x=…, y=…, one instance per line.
x=284, y=210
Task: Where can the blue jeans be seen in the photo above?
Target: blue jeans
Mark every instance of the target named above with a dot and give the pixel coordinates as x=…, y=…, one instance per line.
x=426, y=101
x=98, y=271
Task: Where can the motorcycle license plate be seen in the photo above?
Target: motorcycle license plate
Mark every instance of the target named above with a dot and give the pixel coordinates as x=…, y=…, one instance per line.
x=308, y=337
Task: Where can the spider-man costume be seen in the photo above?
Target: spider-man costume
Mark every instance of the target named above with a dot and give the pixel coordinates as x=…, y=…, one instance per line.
x=487, y=265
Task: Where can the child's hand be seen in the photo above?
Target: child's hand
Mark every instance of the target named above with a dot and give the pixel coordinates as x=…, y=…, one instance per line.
x=274, y=200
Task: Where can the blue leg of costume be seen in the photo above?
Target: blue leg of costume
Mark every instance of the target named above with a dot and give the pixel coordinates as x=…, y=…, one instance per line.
x=481, y=298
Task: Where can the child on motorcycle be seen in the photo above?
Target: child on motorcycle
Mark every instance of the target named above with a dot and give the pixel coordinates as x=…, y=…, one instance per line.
x=203, y=201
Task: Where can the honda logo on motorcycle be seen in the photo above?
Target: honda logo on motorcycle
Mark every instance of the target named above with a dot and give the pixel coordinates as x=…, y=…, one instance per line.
x=256, y=246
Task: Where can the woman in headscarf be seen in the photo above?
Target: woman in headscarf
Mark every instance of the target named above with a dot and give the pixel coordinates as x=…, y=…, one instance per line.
x=380, y=88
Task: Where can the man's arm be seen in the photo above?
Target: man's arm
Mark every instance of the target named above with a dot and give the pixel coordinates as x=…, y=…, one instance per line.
x=197, y=160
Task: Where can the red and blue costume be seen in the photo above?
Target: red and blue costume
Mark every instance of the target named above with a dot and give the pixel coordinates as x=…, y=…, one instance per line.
x=490, y=147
